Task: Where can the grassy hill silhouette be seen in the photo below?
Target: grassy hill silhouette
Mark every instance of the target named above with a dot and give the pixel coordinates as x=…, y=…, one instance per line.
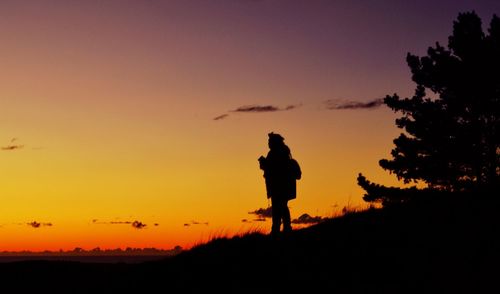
x=438, y=246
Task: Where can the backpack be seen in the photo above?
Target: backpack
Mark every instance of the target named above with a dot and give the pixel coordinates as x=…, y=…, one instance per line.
x=295, y=169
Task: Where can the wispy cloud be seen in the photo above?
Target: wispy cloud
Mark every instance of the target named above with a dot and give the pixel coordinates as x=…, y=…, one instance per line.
x=338, y=104
x=306, y=219
x=256, y=109
x=260, y=219
x=290, y=107
x=199, y=223
x=222, y=116
x=263, y=108
x=194, y=223
x=135, y=224
x=11, y=146
x=36, y=225
x=263, y=213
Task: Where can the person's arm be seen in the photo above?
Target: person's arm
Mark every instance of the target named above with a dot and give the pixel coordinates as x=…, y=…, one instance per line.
x=262, y=163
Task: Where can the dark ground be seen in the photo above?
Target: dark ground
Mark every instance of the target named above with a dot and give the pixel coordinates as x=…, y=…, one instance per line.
x=446, y=247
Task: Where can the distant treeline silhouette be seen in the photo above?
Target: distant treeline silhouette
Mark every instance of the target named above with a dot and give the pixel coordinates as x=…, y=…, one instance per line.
x=96, y=251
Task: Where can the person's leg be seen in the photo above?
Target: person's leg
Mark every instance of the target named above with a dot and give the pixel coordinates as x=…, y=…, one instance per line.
x=277, y=215
x=287, y=224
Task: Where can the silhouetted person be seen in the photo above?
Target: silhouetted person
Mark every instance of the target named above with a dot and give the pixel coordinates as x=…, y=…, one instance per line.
x=281, y=172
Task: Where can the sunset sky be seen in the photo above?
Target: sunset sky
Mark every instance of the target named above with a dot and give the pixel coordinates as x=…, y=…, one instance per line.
x=120, y=111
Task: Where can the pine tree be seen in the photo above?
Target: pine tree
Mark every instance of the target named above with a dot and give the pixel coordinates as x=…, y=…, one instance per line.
x=451, y=124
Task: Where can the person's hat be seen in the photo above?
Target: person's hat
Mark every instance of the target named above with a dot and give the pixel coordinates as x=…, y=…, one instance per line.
x=273, y=136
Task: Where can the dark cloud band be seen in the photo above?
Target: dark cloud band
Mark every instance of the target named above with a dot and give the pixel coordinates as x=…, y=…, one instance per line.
x=135, y=224
x=36, y=225
x=256, y=109
x=263, y=213
x=12, y=147
x=342, y=105
x=194, y=223
x=223, y=116
x=263, y=108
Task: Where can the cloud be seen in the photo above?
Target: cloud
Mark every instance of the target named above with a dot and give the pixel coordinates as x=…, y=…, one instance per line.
x=257, y=109
x=119, y=222
x=262, y=213
x=260, y=219
x=194, y=223
x=138, y=225
x=222, y=116
x=36, y=225
x=199, y=223
x=306, y=219
x=263, y=108
x=12, y=147
x=337, y=104
x=290, y=107
x=135, y=224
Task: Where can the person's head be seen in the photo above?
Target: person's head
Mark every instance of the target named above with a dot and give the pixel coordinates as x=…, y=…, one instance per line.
x=275, y=140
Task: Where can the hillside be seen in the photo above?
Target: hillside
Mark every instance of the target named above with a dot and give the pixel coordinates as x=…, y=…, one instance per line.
x=420, y=248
